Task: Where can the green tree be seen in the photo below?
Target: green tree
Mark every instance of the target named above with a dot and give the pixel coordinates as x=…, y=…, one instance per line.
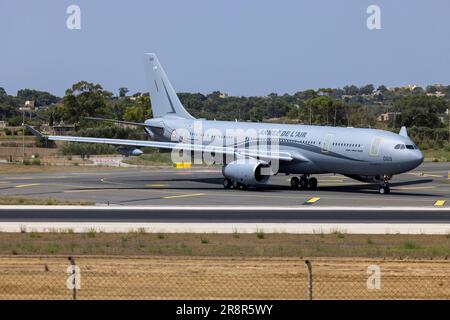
x=123, y=92
x=367, y=89
x=420, y=110
x=351, y=90
x=382, y=88
x=139, y=111
x=86, y=99
x=40, y=98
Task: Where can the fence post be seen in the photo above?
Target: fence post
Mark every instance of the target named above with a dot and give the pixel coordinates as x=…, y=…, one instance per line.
x=74, y=282
x=310, y=280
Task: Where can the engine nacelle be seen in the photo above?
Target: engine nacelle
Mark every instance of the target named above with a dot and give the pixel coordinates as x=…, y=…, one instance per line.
x=247, y=172
x=127, y=151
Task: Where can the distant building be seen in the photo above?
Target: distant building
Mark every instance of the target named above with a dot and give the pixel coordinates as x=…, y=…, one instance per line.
x=410, y=87
x=388, y=116
x=223, y=95
x=29, y=104
x=436, y=94
x=62, y=128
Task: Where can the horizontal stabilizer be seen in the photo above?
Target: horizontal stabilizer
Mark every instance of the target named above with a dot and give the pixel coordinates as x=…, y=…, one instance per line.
x=117, y=121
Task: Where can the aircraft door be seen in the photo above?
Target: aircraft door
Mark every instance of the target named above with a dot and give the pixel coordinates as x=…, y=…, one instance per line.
x=375, y=147
x=326, y=143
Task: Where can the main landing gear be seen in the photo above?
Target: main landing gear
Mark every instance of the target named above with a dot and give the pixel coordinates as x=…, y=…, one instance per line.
x=303, y=182
x=233, y=184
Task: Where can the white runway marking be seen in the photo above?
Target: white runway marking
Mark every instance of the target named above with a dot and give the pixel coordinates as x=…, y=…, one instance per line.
x=295, y=228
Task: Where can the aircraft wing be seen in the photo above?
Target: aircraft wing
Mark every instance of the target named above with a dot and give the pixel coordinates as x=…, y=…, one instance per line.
x=244, y=152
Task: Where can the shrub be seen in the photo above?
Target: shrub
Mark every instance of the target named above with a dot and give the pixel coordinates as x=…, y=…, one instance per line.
x=92, y=233
x=260, y=234
x=76, y=148
x=409, y=245
x=161, y=235
x=204, y=240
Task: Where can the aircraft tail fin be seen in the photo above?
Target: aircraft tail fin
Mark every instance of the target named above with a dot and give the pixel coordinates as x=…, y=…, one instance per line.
x=162, y=95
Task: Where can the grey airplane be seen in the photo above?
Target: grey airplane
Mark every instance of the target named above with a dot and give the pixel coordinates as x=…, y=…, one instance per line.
x=367, y=155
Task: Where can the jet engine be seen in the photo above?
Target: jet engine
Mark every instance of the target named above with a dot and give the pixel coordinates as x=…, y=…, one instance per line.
x=247, y=172
x=127, y=151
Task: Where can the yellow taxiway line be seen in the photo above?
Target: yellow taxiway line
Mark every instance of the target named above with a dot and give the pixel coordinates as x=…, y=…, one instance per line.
x=84, y=190
x=185, y=195
x=415, y=188
x=27, y=185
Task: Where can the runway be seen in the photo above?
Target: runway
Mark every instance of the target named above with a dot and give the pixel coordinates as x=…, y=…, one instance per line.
x=224, y=214
x=427, y=186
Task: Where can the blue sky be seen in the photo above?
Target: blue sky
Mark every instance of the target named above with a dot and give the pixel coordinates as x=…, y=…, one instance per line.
x=250, y=47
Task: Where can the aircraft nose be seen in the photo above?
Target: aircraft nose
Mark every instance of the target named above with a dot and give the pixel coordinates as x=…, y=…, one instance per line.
x=416, y=158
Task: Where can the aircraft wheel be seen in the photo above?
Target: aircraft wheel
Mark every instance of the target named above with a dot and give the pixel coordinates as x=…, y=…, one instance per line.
x=227, y=183
x=312, y=183
x=384, y=190
x=303, y=183
x=236, y=185
x=295, y=182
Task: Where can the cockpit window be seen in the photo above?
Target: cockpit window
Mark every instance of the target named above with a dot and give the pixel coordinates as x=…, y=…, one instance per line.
x=400, y=146
x=410, y=146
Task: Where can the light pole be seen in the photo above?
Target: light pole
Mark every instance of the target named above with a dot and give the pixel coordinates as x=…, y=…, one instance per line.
x=23, y=131
x=23, y=136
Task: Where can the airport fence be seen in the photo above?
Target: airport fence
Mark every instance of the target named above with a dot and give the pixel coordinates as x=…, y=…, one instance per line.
x=153, y=278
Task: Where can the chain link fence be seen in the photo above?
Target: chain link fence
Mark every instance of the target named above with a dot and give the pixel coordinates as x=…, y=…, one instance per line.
x=216, y=278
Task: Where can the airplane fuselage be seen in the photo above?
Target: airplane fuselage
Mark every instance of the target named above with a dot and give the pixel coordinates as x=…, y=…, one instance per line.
x=322, y=149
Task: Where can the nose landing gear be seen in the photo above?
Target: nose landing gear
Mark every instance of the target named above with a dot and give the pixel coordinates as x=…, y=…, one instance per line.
x=384, y=185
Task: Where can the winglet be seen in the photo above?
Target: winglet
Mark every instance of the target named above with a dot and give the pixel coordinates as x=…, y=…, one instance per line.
x=403, y=132
x=34, y=131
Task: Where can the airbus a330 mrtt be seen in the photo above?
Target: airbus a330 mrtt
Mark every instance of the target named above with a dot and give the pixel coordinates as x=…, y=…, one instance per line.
x=367, y=155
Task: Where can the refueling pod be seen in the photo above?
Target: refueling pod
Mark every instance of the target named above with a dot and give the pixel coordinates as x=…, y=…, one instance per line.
x=129, y=151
